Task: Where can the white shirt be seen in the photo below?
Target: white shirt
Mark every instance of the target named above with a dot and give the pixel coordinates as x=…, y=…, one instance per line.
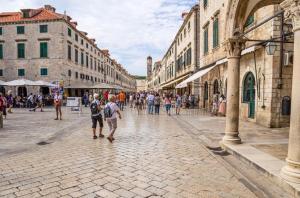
x=114, y=108
x=57, y=97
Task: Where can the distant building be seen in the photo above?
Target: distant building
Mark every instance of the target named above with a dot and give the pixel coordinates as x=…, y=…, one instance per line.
x=41, y=44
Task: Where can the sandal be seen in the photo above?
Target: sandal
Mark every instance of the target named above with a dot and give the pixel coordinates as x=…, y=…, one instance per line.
x=101, y=136
x=95, y=137
x=110, y=139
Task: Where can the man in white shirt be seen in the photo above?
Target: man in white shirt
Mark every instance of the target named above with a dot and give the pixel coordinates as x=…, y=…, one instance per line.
x=150, y=103
x=111, y=110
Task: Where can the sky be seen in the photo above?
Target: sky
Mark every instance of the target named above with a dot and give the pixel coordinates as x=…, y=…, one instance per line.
x=130, y=29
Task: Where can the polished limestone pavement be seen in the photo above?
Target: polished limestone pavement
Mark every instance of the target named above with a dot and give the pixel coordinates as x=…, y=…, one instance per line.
x=152, y=156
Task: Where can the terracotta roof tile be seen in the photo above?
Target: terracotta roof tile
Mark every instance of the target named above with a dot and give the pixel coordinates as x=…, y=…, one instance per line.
x=44, y=14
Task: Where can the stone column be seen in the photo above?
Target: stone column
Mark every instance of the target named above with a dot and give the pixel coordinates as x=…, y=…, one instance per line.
x=234, y=47
x=291, y=172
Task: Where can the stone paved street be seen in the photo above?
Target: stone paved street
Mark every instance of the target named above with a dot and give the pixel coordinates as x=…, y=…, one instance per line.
x=151, y=157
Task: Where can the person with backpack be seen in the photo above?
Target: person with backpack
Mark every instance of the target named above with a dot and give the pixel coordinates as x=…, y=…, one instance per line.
x=96, y=116
x=157, y=103
x=111, y=110
x=168, y=104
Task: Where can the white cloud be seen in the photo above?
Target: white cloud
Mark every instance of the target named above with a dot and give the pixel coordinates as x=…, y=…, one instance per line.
x=130, y=29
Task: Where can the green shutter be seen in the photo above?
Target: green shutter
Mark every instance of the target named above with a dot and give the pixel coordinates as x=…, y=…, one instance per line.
x=206, y=40
x=21, y=72
x=20, y=29
x=44, y=50
x=1, y=51
x=69, y=32
x=44, y=71
x=250, y=21
x=216, y=33
x=1, y=31
x=21, y=50
x=43, y=28
x=205, y=3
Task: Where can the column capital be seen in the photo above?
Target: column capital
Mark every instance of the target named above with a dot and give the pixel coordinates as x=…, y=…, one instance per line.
x=234, y=47
x=292, y=11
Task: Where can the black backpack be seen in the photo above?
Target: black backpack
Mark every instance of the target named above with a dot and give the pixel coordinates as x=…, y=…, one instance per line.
x=94, y=108
x=107, y=111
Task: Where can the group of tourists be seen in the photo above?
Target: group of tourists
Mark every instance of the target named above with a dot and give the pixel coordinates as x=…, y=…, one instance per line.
x=218, y=105
x=110, y=112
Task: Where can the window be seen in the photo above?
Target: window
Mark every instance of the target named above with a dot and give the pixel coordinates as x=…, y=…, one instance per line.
x=205, y=40
x=21, y=50
x=82, y=58
x=69, y=73
x=249, y=21
x=205, y=3
x=87, y=60
x=91, y=62
x=249, y=88
x=286, y=106
x=216, y=87
x=1, y=31
x=189, y=57
x=44, y=71
x=81, y=41
x=87, y=45
x=76, y=74
x=1, y=72
x=69, y=32
x=205, y=91
x=1, y=51
x=44, y=50
x=216, y=33
x=69, y=52
x=189, y=25
x=20, y=30
x=76, y=55
x=21, y=72
x=43, y=28
x=76, y=37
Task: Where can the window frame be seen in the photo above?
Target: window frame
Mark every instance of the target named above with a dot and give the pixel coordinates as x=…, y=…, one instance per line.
x=19, y=72
x=44, y=28
x=42, y=70
x=21, y=50
x=19, y=28
x=44, y=50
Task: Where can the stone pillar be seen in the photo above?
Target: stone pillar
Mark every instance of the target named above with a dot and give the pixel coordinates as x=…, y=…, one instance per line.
x=291, y=172
x=234, y=47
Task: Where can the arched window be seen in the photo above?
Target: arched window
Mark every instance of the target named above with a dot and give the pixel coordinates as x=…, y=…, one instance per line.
x=249, y=88
x=205, y=91
x=216, y=87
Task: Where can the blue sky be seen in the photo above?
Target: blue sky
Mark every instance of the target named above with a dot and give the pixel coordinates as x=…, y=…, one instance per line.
x=130, y=29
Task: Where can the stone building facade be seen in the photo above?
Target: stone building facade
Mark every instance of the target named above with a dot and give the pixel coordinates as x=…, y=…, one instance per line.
x=41, y=44
x=181, y=59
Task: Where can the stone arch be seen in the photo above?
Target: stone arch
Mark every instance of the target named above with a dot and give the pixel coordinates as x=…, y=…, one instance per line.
x=238, y=12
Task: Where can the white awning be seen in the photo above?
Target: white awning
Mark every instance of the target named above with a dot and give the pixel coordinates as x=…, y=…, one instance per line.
x=174, y=81
x=250, y=50
x=195, y=76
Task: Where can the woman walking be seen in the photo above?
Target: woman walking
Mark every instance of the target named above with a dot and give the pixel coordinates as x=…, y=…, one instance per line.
x=168, y=104
x=178, y=104
x=10, y=101
x=157, y=104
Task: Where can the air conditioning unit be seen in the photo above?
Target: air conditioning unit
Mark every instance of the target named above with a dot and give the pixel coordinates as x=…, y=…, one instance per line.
x=288, y=58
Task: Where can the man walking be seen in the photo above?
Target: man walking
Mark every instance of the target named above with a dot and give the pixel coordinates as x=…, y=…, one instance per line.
x=57, y=104
x=96, y=116
x=122, y=99
x=110, y=115
x=150, y=103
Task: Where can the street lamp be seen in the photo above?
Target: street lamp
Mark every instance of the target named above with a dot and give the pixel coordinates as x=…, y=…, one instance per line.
x=270, y=48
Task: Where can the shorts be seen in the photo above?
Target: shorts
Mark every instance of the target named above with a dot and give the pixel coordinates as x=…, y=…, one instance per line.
x=168, y=107
x=112, y=124
x=95, y=120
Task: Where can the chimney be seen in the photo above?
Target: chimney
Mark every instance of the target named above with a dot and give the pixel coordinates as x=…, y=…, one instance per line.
x=50, y=8
x=184, y=15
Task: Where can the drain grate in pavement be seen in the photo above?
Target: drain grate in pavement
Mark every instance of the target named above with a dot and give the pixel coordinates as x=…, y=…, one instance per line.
x=43, y=143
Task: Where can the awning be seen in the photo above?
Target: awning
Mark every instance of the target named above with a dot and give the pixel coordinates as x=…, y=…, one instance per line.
x=195, y=76
x=250, y=49
x=78, y=86
x=20, y=82
x=103, y=86
x=174, y=81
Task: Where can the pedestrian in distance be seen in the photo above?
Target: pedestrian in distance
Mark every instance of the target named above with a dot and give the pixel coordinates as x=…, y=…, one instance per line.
x=111, y=110
x=150, y=102
x=2, y=105
x=157, y=104
x=96, y=116
x=122, y=98
x=10, y=101
x=57, y=105
x=168, y=104
x=178, y=104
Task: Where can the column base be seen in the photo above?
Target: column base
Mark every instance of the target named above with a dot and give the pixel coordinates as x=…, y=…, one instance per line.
x=232, y=138
x=291, y=172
